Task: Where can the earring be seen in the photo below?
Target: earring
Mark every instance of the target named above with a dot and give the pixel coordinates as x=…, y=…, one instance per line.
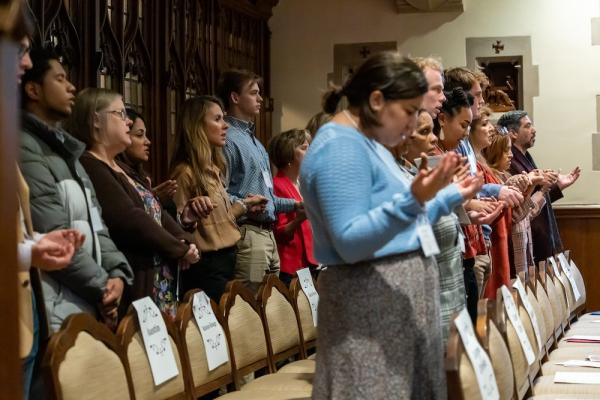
x=442, y=137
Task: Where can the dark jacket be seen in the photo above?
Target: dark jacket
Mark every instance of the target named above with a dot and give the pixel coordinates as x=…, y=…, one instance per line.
x=62, y=196
x=136, y=234
x=544, y=230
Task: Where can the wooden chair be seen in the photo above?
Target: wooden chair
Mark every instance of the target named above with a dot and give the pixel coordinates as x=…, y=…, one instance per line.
x=282, y=326
x=130, y=339
x=248, y=352
x=493, y=343
x=308, y=331
x=547, y=311
x=193, y=354
x=85, y=361
x=554, y=299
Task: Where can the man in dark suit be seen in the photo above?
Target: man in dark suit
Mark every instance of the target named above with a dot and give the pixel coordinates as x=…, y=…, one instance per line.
x=546, y=238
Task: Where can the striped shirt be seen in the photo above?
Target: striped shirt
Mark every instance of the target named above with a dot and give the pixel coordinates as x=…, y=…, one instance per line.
x=249, y=170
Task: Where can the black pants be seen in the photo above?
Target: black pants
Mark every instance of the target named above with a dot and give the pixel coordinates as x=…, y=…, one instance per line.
x=471, y=287
x=211, y=273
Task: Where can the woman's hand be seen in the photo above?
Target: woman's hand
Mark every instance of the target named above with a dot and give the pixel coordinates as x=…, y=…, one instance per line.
x=427, y=183
x=192, y=256
x=255, y=203
x=485, y=218
x=201, y=206
x=165, y=191
x=469, y=186
x=520, y=182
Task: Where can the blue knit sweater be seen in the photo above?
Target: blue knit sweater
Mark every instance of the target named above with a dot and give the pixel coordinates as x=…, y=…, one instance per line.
x=359, y=202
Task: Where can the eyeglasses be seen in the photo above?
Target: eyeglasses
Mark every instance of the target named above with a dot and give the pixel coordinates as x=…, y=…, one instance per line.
x=120, y=113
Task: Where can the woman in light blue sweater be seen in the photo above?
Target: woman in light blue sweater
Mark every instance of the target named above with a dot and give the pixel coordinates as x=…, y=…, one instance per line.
x=379, y=329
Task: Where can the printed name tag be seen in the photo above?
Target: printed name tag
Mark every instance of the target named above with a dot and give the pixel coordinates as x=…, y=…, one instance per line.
x=513, y=315
x=527, y=304
x=97, y=224
x=309, y=290
x=156, y=341
x=426, y=237
x=569, y=272
x=582, y=378
x=267, y=178
x=461, y=241
x=559, y=278
x=213, y=336
x=484, y=372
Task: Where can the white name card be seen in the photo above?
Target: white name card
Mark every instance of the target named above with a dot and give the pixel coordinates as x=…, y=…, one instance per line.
x=156, y=341
x=513, y=315
x=579, y=363
x=426, y=237
x=213, y=336
x=589, y=378
x=554, y=266
x=590, y=338
x=484, y=372
x=308, y=287
x=527, y=304
x=567, y=268
x=559, y=278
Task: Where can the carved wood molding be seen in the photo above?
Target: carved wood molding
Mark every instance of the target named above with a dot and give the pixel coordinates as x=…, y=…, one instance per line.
x=421, y=6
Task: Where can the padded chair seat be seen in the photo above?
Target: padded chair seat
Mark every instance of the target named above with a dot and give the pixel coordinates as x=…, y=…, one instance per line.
x=294, y=382
x=546, y=385
x=300, y=366
x=312, y=356
x=251, y=395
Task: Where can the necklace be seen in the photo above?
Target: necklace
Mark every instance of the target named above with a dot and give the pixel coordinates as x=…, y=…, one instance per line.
x=352, y=121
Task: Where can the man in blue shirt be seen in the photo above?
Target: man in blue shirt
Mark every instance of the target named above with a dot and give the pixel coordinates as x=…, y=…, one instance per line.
x=249, y=173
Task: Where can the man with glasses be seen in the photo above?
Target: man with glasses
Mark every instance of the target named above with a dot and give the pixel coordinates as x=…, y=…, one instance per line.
x=62, y=196
x=544, y=230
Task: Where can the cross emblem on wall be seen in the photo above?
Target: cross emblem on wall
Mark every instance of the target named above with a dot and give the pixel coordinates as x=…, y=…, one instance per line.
x=364, y=52
x=498, y=46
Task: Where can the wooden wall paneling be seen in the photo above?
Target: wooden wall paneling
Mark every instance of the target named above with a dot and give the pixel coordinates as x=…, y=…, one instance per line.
x=580, y=232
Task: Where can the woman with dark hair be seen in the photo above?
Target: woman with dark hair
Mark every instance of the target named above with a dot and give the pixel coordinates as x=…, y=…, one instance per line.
x=379, y=329
x=152, y=241
x=198, y=166
x=293, y=232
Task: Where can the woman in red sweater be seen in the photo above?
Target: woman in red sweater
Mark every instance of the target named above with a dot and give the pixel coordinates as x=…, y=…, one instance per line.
x=293, y=232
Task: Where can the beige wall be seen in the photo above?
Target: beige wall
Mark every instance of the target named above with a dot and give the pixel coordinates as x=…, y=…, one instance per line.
x=304, y=32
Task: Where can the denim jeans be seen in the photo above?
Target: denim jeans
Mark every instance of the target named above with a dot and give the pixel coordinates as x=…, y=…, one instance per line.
x=29, y=361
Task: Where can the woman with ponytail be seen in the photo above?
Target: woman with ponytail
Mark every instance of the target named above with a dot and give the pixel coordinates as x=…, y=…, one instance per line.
x=379, y=328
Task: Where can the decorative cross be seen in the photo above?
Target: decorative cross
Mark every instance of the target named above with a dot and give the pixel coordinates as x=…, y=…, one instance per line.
x=498, y=46
x=364, y=52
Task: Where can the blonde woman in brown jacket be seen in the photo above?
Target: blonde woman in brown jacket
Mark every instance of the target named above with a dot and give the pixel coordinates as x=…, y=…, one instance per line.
x=198, y=166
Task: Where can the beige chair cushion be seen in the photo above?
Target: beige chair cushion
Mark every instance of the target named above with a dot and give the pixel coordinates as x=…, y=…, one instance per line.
x=281, y=383
x=468, y=379
x=251, y=395
x=141, y=374
x=561, y=297
x=281, y=319
x=520, y=367
x=312, y=356
x=553, y=297
x=569, y=292
x=91, y=370
x=537, y=309
x=545, y=385
x=247, y=335
x=501, y=363
x=546, y=306
x=197, y=354
x=301, y=366
x=306, y=320
x=580, y=285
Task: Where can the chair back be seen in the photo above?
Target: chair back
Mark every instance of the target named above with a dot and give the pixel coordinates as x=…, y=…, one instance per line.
x=308, y=331
x=84, y=360
x=554, y=297
x=492, y=341
x=282, y=325
x=247, y=342
x=193, y=352
x=130, y=338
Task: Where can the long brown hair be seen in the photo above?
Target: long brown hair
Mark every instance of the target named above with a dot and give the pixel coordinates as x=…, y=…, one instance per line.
x=494, y=152
x=192, y=147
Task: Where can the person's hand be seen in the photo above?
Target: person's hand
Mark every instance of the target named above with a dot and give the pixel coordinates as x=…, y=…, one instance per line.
x=112, y=293
x=566, y=180
x=50, y=255
x=301, y=215
x=428, y=182
x=511, y=196
x=299, y=206
x=165, y=191
x=536, y=177
x=192, y=256
x=202, y=206
x=462, y=172
x=255, y=203
x=519, y=181
x=469, y=186
x=484, y=205
x=485, y=218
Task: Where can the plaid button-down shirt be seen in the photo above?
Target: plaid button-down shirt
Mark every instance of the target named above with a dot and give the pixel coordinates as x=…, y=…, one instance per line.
x=249, y=170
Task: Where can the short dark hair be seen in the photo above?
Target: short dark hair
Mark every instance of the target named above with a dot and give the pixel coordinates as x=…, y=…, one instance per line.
x=459, y=77
x=133, y=115
x=40, y=58
x=234, y=80
x=456, y=99
x=281, y=147
x=397, y=77
x=512, y=120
